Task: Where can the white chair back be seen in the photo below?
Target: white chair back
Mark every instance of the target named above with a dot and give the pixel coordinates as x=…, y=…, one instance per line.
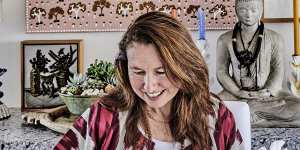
x=241, y=115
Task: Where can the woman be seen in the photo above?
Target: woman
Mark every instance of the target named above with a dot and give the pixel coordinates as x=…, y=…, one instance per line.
x=162, y=99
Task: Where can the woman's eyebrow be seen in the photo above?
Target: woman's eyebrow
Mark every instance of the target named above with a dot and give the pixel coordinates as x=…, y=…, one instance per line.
x=161, y=67
x=137, y=68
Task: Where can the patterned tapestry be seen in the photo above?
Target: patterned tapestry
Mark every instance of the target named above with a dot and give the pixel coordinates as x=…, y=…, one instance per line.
x=116, y=15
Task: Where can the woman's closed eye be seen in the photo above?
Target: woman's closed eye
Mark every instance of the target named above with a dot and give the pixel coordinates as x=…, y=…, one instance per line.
x=160, y=72
x=139, y=72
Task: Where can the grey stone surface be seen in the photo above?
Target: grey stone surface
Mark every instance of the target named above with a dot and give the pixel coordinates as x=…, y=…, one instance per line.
x=14, y=135
x=264, y=137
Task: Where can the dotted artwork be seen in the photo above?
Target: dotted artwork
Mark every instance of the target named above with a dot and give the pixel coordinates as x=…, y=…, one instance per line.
x=116, y=15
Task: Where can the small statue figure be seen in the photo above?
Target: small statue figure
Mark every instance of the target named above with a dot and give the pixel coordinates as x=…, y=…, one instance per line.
x=4, y=113
x=250, y=68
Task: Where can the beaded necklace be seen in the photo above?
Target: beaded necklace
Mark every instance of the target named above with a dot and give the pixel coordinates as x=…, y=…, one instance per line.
x=246, y=57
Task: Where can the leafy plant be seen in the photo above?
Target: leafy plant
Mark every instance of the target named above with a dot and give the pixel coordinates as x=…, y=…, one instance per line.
x=103, y=71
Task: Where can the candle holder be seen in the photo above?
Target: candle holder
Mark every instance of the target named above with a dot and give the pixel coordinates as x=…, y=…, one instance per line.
x=203, y=46
x=295, y=79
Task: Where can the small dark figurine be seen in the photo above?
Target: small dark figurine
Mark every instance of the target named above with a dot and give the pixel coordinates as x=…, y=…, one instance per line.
x=4, y=113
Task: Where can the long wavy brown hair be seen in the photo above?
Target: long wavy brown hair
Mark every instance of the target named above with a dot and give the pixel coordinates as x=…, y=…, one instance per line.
x=183, y=62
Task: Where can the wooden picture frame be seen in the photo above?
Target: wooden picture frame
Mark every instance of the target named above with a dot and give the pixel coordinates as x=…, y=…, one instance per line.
x=45, y=67
x=278, y=11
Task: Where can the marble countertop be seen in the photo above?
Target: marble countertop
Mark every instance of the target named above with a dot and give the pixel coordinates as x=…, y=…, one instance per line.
x=268, y=137
x=14, y=135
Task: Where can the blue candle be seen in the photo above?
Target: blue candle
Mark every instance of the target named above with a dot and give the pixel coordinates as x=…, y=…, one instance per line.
x=201, y=24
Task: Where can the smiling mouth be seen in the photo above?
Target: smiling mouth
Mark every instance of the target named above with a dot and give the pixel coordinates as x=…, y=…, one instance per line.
x=155, y=94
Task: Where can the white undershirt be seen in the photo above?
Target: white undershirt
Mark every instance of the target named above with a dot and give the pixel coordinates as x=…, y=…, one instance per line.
x=161, y=145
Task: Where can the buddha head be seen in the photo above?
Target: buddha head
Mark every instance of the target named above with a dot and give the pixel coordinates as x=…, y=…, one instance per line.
x=249, y=12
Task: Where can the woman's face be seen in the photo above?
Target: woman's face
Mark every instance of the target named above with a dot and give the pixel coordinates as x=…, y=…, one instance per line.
x=249, y=13
x=148, y=77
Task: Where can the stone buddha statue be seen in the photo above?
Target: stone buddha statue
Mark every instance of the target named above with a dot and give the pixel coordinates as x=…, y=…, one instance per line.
x=250, y=68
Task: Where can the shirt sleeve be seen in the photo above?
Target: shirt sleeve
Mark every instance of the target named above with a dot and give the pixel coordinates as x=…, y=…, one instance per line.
x=96, y=128
x=75, y=137
x=226, y=135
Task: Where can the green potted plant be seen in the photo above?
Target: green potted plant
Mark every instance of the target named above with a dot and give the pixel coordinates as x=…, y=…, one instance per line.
x=84, y=89
x=103, y=71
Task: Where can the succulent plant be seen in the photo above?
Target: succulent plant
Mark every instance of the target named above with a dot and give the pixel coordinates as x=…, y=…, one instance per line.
x=74, y=90
x=95, y=84
x=75, y=86
x=77, y=80
x=103, y=71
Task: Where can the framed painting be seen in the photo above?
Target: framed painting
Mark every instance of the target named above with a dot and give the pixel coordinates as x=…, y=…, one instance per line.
x=273, y=15
x=46, y=65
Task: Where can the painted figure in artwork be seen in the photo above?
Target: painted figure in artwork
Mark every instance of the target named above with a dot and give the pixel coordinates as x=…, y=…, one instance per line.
x=62, y=64
x=38, y=65
x=48, y=85
x=250, y=68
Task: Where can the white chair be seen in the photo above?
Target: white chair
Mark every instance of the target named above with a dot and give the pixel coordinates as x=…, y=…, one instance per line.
x=241, y=115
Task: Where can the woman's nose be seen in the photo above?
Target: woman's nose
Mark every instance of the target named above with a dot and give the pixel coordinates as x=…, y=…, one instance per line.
x=150, y=83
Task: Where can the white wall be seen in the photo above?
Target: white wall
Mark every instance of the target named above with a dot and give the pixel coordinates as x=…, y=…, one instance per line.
x=101, y=45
